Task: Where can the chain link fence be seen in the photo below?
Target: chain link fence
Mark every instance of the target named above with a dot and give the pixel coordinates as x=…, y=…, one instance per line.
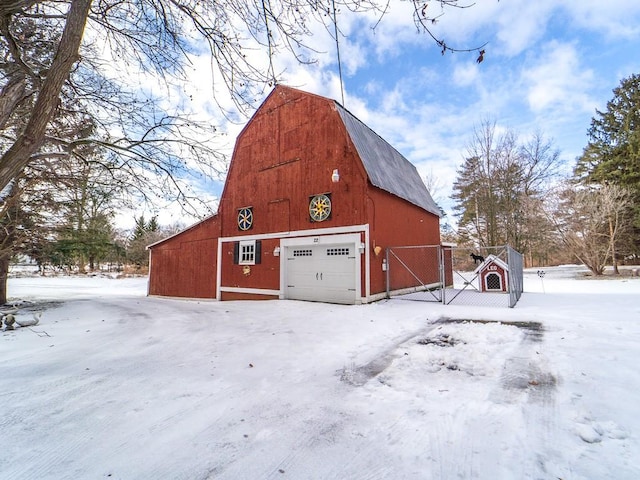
x=415, y=271
x=489, y=276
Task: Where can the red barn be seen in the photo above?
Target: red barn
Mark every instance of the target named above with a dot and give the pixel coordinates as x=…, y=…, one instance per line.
x=312, y=198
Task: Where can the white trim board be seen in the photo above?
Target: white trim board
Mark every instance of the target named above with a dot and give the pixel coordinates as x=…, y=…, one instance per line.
x=253, y=291
x=299, y=233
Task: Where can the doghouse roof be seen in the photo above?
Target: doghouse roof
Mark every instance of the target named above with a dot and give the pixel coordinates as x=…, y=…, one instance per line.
x=492, y=259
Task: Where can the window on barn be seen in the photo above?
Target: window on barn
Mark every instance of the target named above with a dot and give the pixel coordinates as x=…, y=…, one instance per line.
x=247, y=252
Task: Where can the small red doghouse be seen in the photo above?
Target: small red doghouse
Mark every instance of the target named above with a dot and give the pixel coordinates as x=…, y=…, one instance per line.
x=493, y=274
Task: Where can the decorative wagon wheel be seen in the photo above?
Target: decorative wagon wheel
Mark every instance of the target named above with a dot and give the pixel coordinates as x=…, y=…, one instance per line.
x=320, y=208
x=245, y=219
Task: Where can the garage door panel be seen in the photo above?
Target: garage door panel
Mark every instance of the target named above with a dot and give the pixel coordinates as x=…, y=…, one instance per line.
x=321, y=273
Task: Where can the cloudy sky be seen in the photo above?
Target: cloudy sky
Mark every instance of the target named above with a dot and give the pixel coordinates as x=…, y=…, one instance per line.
x=548, y=66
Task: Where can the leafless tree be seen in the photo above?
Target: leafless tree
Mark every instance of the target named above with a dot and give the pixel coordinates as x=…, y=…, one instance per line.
x=499, y=186
x=156, y=37
x=617, y=208
x=590, y=220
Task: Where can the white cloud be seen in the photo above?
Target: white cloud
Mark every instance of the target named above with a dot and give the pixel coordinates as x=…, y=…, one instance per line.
x=520, y=24
x=465, y=74
x=617, y=19
x=558, y=80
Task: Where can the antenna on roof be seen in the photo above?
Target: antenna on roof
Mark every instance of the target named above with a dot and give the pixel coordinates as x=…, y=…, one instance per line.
x=335, y=28
x=271, y=71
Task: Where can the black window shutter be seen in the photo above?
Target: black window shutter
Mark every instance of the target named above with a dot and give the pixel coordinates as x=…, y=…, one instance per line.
x=236, y=253
x=258, y=251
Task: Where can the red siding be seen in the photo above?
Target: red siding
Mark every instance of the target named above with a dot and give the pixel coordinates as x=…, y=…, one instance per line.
x=265, y=275
x=246, y=296
x=286, y=154
x=185, y=265
x=396, y=222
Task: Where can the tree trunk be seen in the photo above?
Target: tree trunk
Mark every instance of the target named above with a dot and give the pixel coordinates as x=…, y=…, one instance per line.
x=16, y=158
x=613, y=247
x=4, y=274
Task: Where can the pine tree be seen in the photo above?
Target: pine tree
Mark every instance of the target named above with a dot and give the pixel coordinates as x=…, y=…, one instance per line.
x=612, y=155
x=144, y=233
x=140, y=230
x=153, y=226
x=86, y=231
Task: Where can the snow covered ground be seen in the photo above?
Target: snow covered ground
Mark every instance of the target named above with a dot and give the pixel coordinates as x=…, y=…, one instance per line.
x=113, y=384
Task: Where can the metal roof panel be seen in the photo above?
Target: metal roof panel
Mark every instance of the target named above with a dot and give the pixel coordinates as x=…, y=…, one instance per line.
x=386, y=167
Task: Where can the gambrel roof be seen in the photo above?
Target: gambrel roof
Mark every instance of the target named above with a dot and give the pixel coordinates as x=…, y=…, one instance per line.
x=386, y=167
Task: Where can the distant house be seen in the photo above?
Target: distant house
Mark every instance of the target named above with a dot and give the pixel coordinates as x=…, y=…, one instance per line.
x=493, y=274
x=312, y=198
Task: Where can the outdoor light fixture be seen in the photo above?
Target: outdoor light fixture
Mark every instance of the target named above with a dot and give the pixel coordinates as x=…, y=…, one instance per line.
x=335, y=176
x=276, y=252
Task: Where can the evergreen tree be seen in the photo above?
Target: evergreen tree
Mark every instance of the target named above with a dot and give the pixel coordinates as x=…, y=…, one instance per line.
x=612, y=154
x=144, y=233
x=153, y=226
x=85, y=233
x=140, y=230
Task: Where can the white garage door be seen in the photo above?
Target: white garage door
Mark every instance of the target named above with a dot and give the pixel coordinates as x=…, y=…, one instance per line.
x=321, y=273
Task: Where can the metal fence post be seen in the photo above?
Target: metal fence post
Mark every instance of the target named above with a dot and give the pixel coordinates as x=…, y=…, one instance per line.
x=386, y=261
x=442, y=274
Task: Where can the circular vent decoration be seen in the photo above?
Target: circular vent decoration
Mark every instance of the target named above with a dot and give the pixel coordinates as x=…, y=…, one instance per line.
x=320, y=208
x=245, y=218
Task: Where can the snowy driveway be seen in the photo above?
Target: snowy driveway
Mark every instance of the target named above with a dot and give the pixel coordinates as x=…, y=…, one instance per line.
x=112, y=384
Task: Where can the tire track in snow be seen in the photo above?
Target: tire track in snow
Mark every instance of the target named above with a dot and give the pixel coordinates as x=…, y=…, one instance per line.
x=456, y=435
x=325, y=429
x=527, y=382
